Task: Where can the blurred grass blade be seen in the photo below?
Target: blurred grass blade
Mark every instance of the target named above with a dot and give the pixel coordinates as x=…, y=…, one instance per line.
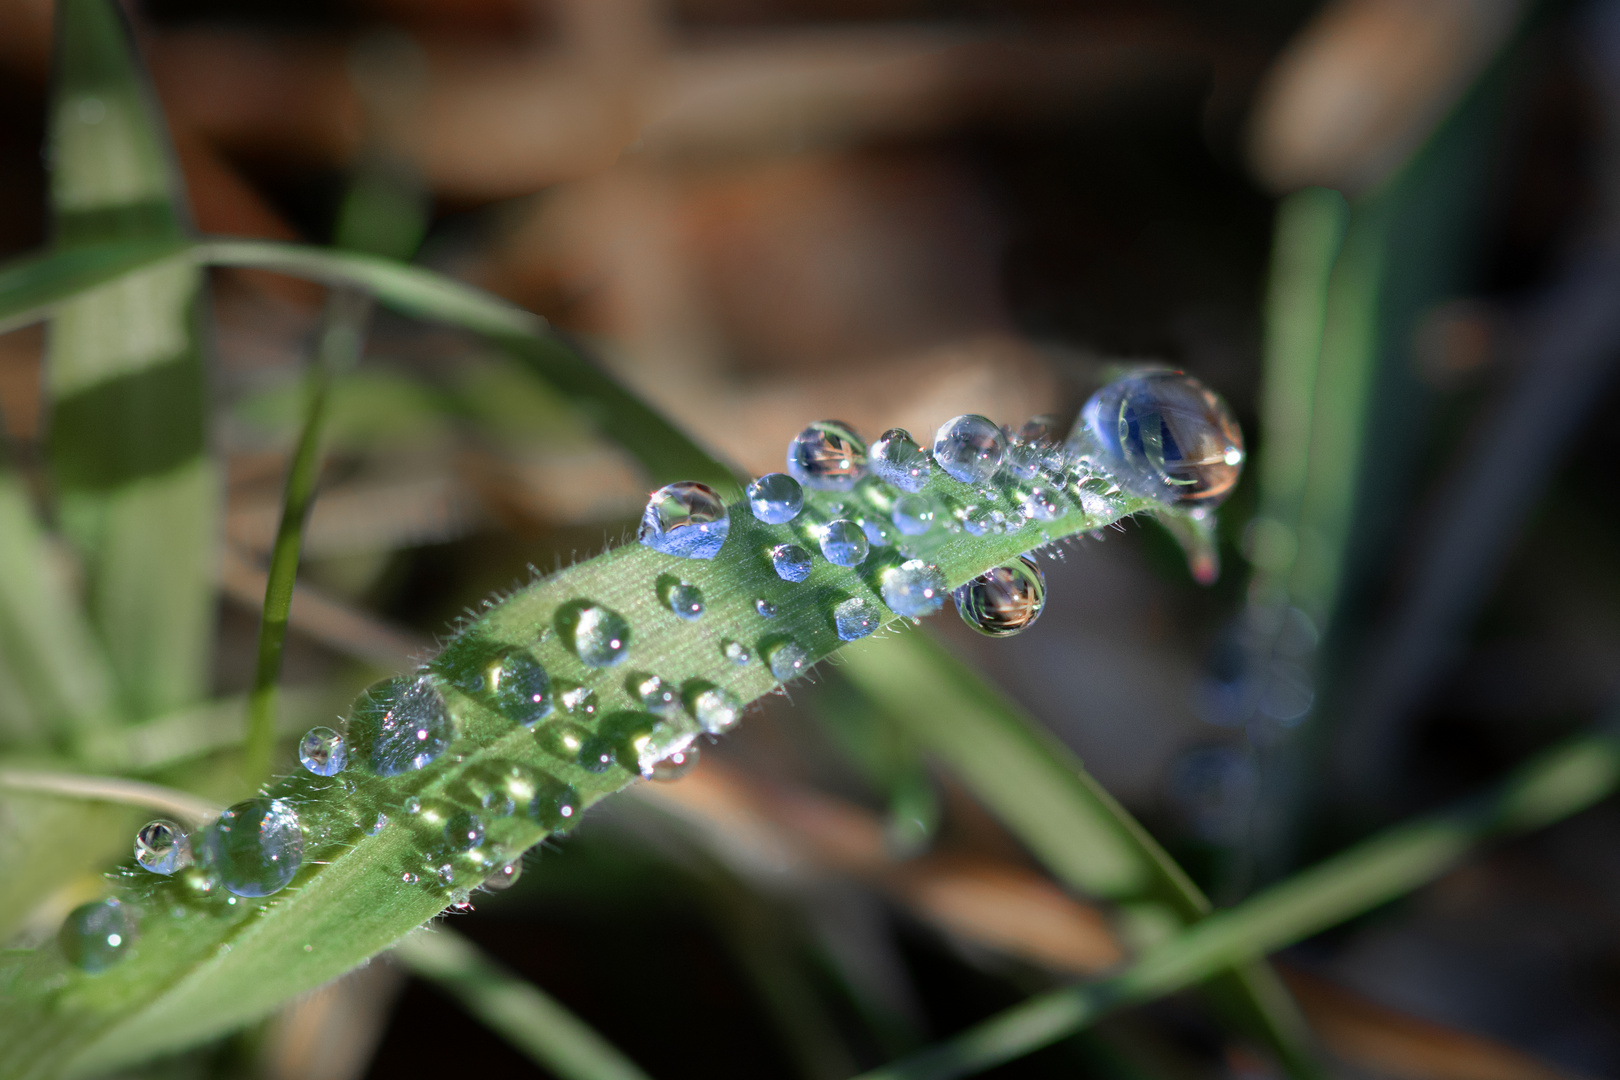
x=341, y=339
x=111, y=789
x=1043, y=793
x=127, y=448
x=664, y=450
x=32, y=286
x=1555, y=785
x=520, y=1012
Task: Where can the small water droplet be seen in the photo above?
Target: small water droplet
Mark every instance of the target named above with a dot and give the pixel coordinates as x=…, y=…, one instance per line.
x=736, y=652
x=675, y=766
x=378, y=825
x=977, y=520
x=913, y=515
x=598, y=635
x=98, y=935
x=162, y=847
x=684, y=599
x=879, y=533
x=399, y=725
x=1166, y=435
x=914, y=588
x=409, y=878
x=715, y=708
x=505, y=876
x=970, y=448
x=446, y=875
x=411, y=805
x=897, y=459
x=554, y=804
x=640, y=741
x=1040, y=504
x=844, y=543
x=827, y=456
x=791, y=562
x=1005, y=600
x=655, y=695
x=766, y=609
x=463, y=831
x=255, y=847
x=787, y=660
x=855, y=618
x=577, y=700
x=322, y=752
x=776, y=498
x=686, y=519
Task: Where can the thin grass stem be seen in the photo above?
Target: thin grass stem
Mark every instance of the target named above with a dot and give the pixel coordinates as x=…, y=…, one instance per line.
x=179, y=804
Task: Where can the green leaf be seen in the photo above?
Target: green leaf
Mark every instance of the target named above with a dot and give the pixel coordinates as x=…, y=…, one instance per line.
x=139, y=497
x=32, y=287
x=1554, y=785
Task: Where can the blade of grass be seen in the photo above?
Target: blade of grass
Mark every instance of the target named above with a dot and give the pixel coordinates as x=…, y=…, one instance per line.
x=33, y=286
x=341, y=338
x=1074, y=826
x=1554, y=785
x=111, y=789
x=520, y=1012
x=139, y=496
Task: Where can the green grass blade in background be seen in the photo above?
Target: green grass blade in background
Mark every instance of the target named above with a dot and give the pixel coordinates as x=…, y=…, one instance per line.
x=1561, y=782
x=523, y=1014
x=1043, y=793
x=139, y=497
x=32, y=286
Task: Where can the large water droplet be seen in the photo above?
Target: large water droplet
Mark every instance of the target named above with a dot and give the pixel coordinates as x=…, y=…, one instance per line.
x=855, y=618
x=791, y=562
x=99, y=934
x=255, y=847
x=686, y=519
x=1005, y=600
x=898, y=460
x=598, y=635
x=637, y=741
x=655, y=695
x=715, y=708
x=685, y=600
x=787, y=660
x=323, y=752
x=554, y=803
x=913, y=589
x=1166, y=435
x=844, y=543
x=969, y=448
x=676, y=765
x=399, y=725
x=776, y=498
x=521, y=688
x=913, y=515
x=162, y=847
x=463, y=831
x=827, y=456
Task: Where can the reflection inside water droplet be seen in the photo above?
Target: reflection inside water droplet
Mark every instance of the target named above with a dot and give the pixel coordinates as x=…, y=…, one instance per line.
x=505, y=876
x=675, y=765
x=686, y=519
x=399, y=725
x=322, y=751
x=736, y=652
x=1166, y=435
x=787, y=660
x=599, y=636
x=765, y=608
x=913, y=515
x=683, y=599
x=715, y=708
x=1005, y=600
x=162, y=847
x=655, y=695
x=463, y=831
x=827, y=456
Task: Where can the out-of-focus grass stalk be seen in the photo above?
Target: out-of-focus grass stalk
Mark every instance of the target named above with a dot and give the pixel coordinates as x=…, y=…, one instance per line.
x=1556, y=784
x=341, y=338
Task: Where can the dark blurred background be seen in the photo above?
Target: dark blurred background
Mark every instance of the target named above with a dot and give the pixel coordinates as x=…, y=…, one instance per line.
x=763, y=212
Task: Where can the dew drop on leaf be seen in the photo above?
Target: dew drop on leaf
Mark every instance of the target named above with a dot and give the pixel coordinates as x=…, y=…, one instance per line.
x=162, y=847
x=1004, y=600
x=844, y=543
x=686, y=519
x=914, y=588
x=855, y=618
x=715, y=708
x=791, y=562
x=787, y=660
x=399, y=725
x=827, y=456
x=463, y=831
x=1166, y=435
x=897, y=459
x=766, y=609
x=599, y=636
x=736, y=652
x=913, y=515
x=505, y=876
x=969, y=448
x=322, y=751
x=676, y=765
x=98, y=935
x=255, y=847
x=686, y=601
x=520, y=686
x=655, y=695
x=775, y=498
x=554, y=803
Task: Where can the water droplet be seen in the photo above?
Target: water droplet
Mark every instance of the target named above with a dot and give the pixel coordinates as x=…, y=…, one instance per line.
x=766, y=609
x=978, y=520
x=879, y=533
x=636, y=740
x=255, y=847
x=446, y=875
x=409, y=878
x=578, y=700
x=736, y=652
x=715, y=708
x=463, y=831
x=563, y=740
x=827, y=456
x=855, y=618
x=554, y=803
x=913, y=515
x=1166, y=435
x=844, y=543
x=596, y=753
x=787, y=660
x=914, y=588
x=377, y=825
x=969, y=448
x=411, y=805
x=1040, y=504
x=399, y=725
x=1030, y=448
x=521, y=688
x=776, y=498
x=686, y=519
x=676, y=765
x=505, y=876
x=599, y=636
x=791, y=562
x=162, y=847
x=1005, y=600
x=685, y=600
x=322, y=751
x=898, y=460
x=98, y=935
x=655, y=695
